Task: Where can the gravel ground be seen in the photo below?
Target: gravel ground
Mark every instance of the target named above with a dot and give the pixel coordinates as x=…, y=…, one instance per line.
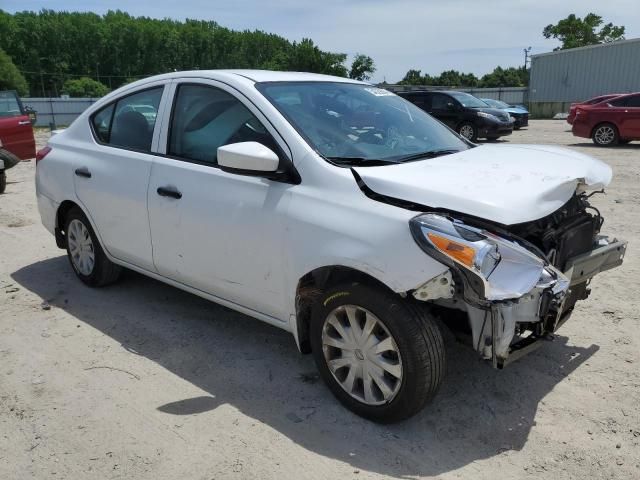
x=140, y=380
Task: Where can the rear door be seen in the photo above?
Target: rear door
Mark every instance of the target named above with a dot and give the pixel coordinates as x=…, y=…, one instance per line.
x=16, y=133
x=112, y=173
x=445, y=109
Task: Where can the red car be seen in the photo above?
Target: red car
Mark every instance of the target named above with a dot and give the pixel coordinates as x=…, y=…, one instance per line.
x=592, y=101
x=609, y=122
x=16, y=134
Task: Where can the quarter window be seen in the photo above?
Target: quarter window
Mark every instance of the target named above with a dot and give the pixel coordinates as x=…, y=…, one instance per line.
x=129, y=122
x=205, y=118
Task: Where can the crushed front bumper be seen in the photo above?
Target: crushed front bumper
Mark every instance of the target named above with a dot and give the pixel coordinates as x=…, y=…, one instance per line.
x=518, y=327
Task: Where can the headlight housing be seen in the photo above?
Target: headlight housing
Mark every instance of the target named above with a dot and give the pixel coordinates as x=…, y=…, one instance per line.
x=504, y=268
x=488, y=116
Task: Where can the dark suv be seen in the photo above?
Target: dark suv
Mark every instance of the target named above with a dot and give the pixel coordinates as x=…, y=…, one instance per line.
x=464, y=113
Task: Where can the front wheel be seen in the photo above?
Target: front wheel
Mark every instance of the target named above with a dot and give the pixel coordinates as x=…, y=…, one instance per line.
x=605, y=135
x=469, y=131
x=382, y=356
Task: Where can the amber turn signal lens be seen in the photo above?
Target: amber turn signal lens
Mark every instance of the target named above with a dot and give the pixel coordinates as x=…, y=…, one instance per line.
x=458, y=251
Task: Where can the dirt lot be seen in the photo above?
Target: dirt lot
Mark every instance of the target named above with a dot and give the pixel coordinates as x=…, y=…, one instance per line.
x=140, y=380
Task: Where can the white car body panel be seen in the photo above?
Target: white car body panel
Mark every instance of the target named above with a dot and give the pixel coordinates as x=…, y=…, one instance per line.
x=533, y=180
x=245, y=242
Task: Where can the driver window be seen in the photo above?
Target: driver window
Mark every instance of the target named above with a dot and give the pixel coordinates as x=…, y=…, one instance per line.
x=205, y=118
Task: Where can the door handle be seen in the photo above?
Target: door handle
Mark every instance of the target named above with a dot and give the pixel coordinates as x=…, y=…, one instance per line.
x=83, y=172
x=169, y=192
x=24, y=122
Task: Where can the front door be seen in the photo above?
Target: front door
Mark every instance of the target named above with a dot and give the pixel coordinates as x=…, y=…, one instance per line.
x=218, y=232
x=112, y=174
x=629, y=117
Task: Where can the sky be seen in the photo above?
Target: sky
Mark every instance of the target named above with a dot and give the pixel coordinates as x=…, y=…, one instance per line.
x=465, y=35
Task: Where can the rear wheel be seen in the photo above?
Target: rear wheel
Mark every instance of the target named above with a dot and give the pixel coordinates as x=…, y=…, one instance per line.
x=3, y=181
x=469, y=131
x=381, y=356
x=605, y=134
x=85, y=253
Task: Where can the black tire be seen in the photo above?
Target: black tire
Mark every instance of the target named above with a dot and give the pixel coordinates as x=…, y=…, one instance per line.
x=104, y=271
x=464, y=126
x=9, y=159
x=3, y=182
x=605, y=135
x=418, y=339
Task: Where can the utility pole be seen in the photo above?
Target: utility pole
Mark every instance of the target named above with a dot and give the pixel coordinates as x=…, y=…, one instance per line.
x=526, y=57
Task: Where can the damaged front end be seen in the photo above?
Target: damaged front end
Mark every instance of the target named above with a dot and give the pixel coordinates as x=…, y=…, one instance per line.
x=516, y=284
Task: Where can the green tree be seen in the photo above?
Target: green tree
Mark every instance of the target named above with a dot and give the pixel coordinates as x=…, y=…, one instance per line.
x=362, y=67
x=84, y=87
x=112, y=48
x=10, y=76
x=505, y=77
x=579, y=32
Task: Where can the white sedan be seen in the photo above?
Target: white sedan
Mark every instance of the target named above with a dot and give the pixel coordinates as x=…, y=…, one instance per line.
x=332, y=209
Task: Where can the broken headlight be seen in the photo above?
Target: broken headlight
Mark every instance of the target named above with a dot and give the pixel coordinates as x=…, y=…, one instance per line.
x=504, y=268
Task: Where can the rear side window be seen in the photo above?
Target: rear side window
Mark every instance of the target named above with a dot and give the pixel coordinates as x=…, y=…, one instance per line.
x=205, y=118
x=129, y=122
x=439, y=101
x=9, y=105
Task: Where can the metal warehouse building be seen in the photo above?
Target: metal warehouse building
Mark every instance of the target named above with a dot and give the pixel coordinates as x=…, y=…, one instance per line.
x=559, y=78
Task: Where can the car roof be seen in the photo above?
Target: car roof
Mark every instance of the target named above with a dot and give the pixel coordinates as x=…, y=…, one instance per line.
x=256, y=76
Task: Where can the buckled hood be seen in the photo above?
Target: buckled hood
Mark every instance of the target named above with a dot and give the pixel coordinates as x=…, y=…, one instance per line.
x=507, y=184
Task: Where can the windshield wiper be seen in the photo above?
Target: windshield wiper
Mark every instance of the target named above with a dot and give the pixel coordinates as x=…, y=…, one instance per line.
x=428, y=154
x=360, y=161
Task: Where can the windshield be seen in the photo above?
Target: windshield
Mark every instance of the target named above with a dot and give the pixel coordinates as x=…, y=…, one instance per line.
x=352, y=123
x=468, y=100
x=495, y=103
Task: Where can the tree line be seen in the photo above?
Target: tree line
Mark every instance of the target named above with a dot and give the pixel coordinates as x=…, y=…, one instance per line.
x=84, y=54
x=500, y=77
x=52, y=48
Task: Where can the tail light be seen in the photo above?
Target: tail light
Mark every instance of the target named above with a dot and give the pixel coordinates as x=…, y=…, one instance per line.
x=42, y=153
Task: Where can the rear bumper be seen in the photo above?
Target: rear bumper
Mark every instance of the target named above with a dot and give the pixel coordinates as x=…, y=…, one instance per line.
x=48, y=210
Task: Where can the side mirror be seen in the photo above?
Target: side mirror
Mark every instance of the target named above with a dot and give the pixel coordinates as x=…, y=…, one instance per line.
x=247, y=158
x=33, y=115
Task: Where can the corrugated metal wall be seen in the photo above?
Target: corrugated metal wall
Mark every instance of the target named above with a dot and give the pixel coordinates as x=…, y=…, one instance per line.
x=59, y=111
x=582, y=73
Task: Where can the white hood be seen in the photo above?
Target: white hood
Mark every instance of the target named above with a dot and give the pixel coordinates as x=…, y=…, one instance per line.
x=507, y=184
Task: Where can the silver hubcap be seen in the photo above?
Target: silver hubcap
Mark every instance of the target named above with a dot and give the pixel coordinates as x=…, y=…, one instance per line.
x=467, y=131
x=81, y=247
x=605, y=135
x=362, y=355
